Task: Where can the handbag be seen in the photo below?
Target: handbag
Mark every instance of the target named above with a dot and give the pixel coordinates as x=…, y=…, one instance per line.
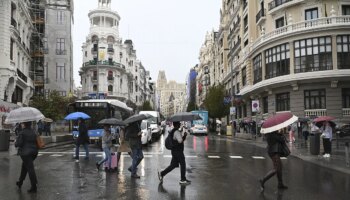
x=283, y=149
x=40, y=142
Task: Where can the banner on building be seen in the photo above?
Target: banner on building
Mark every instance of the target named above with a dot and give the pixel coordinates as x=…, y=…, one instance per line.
x=232, y=110
x=255, y=106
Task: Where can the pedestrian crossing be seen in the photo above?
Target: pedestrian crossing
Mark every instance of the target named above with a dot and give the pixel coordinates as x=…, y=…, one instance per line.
x=152, y=155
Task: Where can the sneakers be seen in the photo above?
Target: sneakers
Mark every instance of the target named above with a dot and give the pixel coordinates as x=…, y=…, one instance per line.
x=185, y=182
x=135, y=176
x=160, y=177
x=327, y=155
x=98, y=166
x=283, y=187
x=262, y=187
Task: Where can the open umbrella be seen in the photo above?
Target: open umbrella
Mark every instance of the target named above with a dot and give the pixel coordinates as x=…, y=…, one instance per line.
x=49, y=120
x=112, y=121
x=137, y=117
x=23, y=114
x=320, y=124
x=323, y=118
x=277, y=122
x=77, y=115
x=184, y=116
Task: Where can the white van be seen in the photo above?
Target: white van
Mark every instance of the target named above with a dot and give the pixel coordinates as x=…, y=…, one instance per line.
x=154, y=123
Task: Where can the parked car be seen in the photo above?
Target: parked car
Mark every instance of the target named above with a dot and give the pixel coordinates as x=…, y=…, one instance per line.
x=343, y=131
x=199, y=129
x=146, y=134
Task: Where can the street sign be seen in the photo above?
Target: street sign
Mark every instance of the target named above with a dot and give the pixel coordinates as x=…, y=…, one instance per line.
x=232, y=110
x=255, y=106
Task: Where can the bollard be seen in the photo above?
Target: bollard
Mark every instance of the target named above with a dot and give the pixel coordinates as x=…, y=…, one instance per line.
x=347, y=154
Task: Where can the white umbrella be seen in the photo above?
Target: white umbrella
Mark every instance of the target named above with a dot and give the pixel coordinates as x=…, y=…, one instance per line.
x=23, y=114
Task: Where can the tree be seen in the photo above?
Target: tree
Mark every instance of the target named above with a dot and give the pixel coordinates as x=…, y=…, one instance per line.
x=191, y=106
x=146, y=106
x=214, y=102
x=54, y=106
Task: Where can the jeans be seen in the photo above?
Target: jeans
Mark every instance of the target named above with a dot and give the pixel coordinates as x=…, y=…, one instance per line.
x=28, y=168
x=107, y=157
x=86, y=147
x=137, y=156
x=327, y=145
x=178, y=157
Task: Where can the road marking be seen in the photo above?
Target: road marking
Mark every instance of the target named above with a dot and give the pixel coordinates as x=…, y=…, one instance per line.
x=283, y=158
x=40, y=154
x=258, y=157
x=236, y=157
x=167, y=156
x=56, y=155
x=99, y=155
x=213, y=156
x=191, y=156
x=148, y=156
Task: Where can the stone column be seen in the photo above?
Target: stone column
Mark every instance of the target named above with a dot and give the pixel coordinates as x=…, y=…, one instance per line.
x=334, y=52
x=291, y=57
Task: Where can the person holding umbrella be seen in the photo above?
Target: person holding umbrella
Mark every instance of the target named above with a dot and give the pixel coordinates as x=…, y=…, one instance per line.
x=133, y=132
x=106, y=146
x=272, y=127
x=83, y=139
x=28, y=151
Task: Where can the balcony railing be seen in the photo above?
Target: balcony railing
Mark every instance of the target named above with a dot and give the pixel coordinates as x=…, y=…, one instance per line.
x=235, y=47
x=315, y=112
x=110, y=78
x=93, y=50
x=303, y=26
x=60, y=52
x=21, y=75
x=245, y=4
x=275, y=3
x=110, y=50
x=261, y=13
x=106, y=62
x=94, y=78
x=346, y=112
x=312, y=69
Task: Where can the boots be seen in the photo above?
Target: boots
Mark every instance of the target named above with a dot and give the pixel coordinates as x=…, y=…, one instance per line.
x=19, y=184
x=280, y=181
x=267, y=177
x=32, y=189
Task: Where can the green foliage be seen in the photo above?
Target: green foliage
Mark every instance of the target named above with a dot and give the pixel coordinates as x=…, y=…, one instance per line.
x=54, y=106
x=214, y=102
x=191, y=106
x=146, y=106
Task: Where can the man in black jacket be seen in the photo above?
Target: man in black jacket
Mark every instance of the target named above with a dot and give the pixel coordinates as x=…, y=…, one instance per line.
x=83, y=139
x=133, y=133
x=177, y=153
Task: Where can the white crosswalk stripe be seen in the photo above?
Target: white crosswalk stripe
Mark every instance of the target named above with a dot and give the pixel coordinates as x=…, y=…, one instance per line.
x=56, y=155
x=213, y=156
x=258, y=157
x=167, y=156
x=236, y=157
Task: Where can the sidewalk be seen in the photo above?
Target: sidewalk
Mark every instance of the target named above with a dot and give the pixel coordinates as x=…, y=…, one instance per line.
x=301, y=150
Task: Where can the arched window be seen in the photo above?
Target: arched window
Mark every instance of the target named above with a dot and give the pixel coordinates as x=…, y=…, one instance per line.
x=94, y=39
x=110, y=75
x=110, y=88
x=94, y=88
x=110, y=39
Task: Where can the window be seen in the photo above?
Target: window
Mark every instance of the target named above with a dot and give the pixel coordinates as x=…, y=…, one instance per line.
x=11, y=49
x=311, y=14
x=60, y=46
x=237, y=86
x=343, y=49
x=60, y=17
x=17, y=95
x=94, y=88
x=279, y=22
x=346, y=97
x=110, y=75
x=257, y=67
x=315, y=99
x=282, y=102
x=277, y=61
x=94, y=75
x=85, y=53
x=266, y=104
x=245, y=21
x=244, y=76
x=313, y=54
x=244, y=110
x=345, y=9
x=110, y=88
x=60, y=71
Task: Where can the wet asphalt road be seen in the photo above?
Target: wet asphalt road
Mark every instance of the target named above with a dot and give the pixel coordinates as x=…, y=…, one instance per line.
x=218, y=168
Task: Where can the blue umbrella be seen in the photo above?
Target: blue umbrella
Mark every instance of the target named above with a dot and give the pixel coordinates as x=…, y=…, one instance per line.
x=77, y=115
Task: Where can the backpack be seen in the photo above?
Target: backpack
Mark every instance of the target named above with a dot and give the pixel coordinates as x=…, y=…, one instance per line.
x=169, y=144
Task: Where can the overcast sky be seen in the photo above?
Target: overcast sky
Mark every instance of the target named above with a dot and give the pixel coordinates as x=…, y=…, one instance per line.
x=167, y=34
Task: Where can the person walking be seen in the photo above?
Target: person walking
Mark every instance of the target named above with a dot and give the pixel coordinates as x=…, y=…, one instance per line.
x=133, y=132
x=47, y=128
x=327, y=134
x=28, y=151
x=305, y=128
x=40, y=126
x=106, y=146
x=83, y=139
x=292, y=131
x=177, y=153
x=274, y=140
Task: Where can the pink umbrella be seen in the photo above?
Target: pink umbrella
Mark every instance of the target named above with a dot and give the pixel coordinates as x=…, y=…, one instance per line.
x=323, y=118
x=277, y=122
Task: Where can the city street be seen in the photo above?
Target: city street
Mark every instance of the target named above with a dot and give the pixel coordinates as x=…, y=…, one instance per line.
x=219, y=168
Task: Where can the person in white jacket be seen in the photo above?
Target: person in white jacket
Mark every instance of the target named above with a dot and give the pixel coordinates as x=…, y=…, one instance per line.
x=327, y=134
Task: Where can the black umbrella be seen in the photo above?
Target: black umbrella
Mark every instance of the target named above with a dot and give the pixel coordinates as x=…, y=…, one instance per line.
x=112, y=121
x=331, y=123
x=184, y=116
x=137, y=117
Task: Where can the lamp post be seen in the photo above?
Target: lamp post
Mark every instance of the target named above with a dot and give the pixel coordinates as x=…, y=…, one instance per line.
x=97, y=70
